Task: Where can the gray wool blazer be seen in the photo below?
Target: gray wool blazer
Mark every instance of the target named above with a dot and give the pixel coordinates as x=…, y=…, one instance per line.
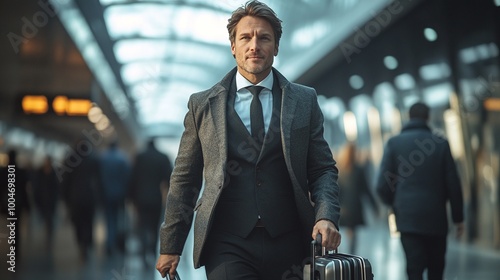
x=202, y=156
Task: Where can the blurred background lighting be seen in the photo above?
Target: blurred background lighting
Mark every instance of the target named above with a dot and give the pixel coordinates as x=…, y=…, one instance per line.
x=430, y=34
x=492, y=104
x=356, y=82
x=404, y=82
x=390, y=62
x=102, y=124
x=95, y=114
x=435, y=71
x=453, y=128
x=350, y=126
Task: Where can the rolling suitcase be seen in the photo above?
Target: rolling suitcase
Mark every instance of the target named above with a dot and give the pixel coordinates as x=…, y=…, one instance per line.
x=337, y=266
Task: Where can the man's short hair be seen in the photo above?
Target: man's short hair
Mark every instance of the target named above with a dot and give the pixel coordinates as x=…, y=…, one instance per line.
x=255, y=9
x=419, y=111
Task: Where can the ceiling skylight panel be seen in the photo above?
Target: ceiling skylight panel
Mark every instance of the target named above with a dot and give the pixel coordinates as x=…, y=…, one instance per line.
x=170, y=108
x=143, y=20
x=151, y=20
x=144, y=81
x=109, y=2
x=200, y=53
x=155, y=88
x=139, y=49
x=138, y=71
x=202, y=25
x=131, y=50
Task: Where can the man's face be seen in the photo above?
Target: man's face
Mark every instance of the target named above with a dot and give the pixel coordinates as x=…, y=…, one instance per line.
x=254, y=48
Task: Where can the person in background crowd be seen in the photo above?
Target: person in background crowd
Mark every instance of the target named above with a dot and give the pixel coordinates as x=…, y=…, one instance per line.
x=21, y=180
x=418, y=177
x=46, y=194
x=81, y=187
x=353, y=190
x=257, y=140
x=115, y=171
x=149, y=178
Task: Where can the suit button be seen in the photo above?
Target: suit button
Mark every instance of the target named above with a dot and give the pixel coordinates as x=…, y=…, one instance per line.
x=259, y=184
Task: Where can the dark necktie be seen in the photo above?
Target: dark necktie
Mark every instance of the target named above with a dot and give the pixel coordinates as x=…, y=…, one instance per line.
x=256, y=115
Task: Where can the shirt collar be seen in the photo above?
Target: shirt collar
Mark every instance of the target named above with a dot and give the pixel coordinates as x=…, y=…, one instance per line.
x=242, y=82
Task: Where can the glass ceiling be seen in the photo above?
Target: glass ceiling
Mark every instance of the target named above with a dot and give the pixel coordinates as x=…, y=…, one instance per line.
x=149, y=56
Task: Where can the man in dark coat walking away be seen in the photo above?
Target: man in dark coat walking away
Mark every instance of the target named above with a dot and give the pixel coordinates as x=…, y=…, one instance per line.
x=80, y=190
x=417, y=178
x=150, y=176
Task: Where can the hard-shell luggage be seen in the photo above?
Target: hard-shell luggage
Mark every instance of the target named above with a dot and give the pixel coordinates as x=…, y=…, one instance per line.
x=337, y=266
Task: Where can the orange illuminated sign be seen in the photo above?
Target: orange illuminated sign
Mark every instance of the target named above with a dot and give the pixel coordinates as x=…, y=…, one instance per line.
x=35, y=104
x=61, y=105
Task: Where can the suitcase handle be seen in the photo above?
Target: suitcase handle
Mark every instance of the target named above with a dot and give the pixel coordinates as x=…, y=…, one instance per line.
x=317, y=250
x=177, y=277
x=315, y=244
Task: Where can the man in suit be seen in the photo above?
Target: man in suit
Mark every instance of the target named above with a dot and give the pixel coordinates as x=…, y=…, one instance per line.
x=418, y=177
x=269, y=188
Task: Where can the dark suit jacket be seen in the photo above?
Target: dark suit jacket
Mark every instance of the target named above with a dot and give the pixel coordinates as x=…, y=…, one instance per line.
x=203, y=154
x=417, y=178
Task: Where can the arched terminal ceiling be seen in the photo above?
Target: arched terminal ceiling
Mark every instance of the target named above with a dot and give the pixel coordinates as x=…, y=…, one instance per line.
x=149, y=56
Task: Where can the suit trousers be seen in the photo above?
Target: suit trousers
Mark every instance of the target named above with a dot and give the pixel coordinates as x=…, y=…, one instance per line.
x=424, y=252
x=257, y=257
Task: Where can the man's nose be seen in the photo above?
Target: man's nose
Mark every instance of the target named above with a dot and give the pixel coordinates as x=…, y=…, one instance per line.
x=254, y=43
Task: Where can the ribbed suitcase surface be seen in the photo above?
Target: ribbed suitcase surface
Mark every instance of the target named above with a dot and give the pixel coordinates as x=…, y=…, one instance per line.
x=338, y=266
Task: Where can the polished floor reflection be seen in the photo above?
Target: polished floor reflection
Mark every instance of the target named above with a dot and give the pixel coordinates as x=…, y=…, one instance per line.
x=62, y=261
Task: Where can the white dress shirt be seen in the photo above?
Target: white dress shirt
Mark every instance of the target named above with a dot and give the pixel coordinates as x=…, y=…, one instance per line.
x=244, y=98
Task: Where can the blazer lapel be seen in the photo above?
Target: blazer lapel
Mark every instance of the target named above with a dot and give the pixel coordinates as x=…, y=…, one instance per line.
x=288, y=106
x=218, y=112
x=218, y=103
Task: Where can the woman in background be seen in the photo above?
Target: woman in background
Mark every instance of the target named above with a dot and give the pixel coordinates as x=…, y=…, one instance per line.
x=353, y=188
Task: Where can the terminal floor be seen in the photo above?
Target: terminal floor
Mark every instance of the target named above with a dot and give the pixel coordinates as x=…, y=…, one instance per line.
x=62, y=262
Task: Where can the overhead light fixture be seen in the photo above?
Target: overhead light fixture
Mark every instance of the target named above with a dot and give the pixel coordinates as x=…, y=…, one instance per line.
x=390, y=62
x=356, y=82
x=435, y=71
x=430, y=34
x=95, y=114
x=404, y=81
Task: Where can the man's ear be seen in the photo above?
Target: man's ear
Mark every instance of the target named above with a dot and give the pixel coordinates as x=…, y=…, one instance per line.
x=276, y=50
x=232, y=49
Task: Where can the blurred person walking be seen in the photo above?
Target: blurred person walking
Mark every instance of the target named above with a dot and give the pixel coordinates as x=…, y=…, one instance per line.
x=354, y=191
x=149, y=179
x=46, y=195
x=114, y=171
x=80, y=188
x=417, y=178
x=19, y=176
x=256, y=141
